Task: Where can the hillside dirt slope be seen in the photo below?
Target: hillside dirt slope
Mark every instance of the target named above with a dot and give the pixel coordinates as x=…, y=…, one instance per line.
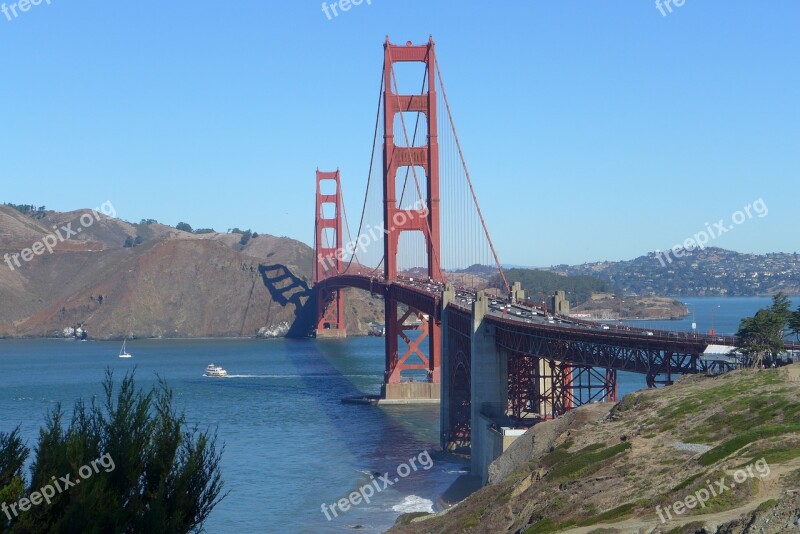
x=173, y=284
x=622, y=469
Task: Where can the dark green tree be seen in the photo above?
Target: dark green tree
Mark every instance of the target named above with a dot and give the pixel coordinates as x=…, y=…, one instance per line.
x=13, y=454
x=128, y=242
x=185, y=227
x=761, y=337
x=155, y=476
x=138, y=241
x=543, y=283
x=246, y=235
x=781, y=307
x=794, y=323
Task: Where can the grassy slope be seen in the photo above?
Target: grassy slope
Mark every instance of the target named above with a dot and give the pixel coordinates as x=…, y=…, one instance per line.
x=624, y=466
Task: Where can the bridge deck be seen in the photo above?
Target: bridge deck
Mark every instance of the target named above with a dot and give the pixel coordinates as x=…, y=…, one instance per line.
x=526, y=329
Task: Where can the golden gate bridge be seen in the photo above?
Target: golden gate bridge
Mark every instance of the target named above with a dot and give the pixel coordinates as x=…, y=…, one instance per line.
x=493, y=358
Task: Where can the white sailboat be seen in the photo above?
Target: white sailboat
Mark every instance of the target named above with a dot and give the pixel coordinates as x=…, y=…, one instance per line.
x=124, y=353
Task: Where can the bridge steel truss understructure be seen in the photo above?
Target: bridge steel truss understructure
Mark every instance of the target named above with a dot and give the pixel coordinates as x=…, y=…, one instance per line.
x=550, y=369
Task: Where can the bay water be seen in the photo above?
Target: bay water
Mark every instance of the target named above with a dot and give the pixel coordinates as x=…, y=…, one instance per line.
x=290, y=444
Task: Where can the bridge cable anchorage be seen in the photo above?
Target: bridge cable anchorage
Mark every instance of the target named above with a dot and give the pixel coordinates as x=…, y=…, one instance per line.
x=409, y=147
x=369, y=174
x=469, y=180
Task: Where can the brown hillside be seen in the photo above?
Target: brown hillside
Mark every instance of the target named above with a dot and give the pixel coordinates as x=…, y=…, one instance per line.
x=175, y=284
x=15, y=226
x=174, y=288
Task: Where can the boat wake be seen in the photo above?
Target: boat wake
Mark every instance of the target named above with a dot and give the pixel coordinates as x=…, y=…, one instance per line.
x=300, y=376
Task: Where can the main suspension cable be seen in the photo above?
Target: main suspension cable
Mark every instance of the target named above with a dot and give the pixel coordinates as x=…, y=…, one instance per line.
x=371, y=163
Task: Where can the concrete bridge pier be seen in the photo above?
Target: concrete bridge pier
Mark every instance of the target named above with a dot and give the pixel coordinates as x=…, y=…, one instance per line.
x=475, y=391
x=489, y=390
x=454, y=416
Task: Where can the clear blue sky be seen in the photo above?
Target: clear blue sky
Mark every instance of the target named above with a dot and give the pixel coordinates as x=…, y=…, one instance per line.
x=594, y=130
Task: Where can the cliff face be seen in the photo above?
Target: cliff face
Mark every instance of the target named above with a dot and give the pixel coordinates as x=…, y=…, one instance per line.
x=173, y=284
x=706, y=455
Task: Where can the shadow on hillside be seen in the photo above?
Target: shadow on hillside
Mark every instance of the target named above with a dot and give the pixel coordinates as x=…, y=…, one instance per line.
x=288, y=290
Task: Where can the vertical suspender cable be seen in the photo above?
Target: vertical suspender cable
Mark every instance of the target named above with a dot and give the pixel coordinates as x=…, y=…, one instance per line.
x=469, y=181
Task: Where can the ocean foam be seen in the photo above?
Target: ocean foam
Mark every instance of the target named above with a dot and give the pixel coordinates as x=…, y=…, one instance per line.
x=412, y=503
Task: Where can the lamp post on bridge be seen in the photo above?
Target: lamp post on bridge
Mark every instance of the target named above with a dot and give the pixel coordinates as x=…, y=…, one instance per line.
x=694, y=322
x=712, y=331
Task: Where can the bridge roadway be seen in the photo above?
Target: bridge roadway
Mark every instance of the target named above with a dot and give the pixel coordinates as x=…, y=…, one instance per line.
x=528, y=329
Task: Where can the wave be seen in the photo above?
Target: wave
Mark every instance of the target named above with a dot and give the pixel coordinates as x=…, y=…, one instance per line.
x=413, y=503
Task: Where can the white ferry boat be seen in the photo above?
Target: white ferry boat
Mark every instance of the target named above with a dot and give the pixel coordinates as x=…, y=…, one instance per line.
x=215, y=371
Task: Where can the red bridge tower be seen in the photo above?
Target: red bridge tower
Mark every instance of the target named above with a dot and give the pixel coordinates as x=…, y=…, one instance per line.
x=329, y=243
x=399, y=157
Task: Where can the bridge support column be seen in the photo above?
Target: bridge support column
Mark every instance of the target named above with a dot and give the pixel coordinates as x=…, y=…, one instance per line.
x=415, y=329
x=456, y=397
x=489, y=390
x=445, y=409
x=611, y=385
x=657, y=370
